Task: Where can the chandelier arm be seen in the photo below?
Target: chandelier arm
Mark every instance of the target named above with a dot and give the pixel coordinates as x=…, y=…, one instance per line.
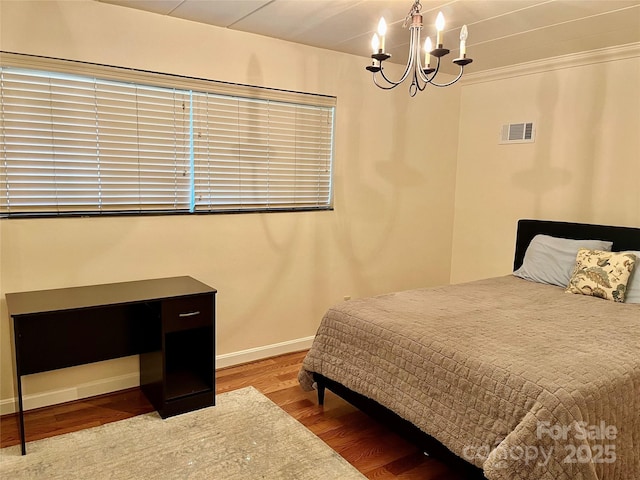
x=389, y=86
x=391, y=82
x=415, y=52
x=417, y=77
x=451, y=82
x=404, y=75
x=415, y=86
x=419, y=71
x=410, y=63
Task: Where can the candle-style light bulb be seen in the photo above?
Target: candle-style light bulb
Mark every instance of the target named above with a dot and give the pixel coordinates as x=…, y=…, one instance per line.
x=382, y=31
x=439, y=29
x=428, y=46
x=464, y=34
x=375, y=43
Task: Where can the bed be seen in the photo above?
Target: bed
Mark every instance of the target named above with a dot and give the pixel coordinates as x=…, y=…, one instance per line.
x=516, y=377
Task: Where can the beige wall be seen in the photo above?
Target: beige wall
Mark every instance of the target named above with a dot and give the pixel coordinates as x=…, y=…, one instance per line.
x=275, y=273
x=584, y=165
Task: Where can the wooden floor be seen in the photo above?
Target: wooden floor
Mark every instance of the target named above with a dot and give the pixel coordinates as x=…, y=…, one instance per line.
x=370, y=447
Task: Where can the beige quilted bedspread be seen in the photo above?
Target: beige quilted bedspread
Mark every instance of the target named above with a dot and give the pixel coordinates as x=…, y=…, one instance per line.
x=519, y=378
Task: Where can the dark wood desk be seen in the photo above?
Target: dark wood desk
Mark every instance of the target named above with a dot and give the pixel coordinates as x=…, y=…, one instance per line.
x=169, y=322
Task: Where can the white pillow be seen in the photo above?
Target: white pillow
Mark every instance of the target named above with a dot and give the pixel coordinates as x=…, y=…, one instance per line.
x=633, y=287
x=551, y=260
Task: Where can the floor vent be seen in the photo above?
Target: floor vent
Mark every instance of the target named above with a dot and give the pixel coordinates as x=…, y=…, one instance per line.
x=517, y=133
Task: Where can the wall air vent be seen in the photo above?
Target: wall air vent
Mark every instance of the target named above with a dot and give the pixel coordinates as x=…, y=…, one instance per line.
x=517, y=133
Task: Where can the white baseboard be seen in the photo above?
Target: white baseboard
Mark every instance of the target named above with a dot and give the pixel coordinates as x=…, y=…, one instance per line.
x=84, y=390
x=258, y=353
x=113, y=384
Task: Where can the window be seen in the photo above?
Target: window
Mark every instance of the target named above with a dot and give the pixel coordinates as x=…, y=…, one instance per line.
x=78, y=144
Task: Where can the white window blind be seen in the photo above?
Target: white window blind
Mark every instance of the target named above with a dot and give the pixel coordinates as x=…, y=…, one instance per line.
x=74, y=144
x=259, y=153
x=77, y=144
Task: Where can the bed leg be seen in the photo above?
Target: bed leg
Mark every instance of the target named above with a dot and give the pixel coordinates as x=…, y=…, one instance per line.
x=321, y=388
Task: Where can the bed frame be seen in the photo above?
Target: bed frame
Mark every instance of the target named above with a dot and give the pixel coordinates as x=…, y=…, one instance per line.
x=623, y=238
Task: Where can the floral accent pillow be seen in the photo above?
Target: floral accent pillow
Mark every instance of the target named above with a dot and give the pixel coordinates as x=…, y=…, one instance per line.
x=602, y=274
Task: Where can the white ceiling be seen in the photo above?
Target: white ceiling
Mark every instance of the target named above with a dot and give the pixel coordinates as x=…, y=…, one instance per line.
x=501, y=32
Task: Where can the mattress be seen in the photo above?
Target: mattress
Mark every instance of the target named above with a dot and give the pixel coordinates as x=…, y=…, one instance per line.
x=519, y=378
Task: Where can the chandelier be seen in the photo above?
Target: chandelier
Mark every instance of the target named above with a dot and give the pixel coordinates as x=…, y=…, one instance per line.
x=421, y=74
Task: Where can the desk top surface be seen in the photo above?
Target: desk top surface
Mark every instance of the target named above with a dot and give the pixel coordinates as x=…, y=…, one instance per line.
x=42, y=301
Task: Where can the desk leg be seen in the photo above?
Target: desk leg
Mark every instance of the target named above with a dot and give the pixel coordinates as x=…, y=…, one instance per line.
x=23, y=444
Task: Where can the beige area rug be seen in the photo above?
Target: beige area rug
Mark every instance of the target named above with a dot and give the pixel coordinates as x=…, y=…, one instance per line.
x=245, y=436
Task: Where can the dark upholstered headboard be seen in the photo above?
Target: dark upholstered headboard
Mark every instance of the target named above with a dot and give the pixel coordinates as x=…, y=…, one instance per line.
x=623, y=238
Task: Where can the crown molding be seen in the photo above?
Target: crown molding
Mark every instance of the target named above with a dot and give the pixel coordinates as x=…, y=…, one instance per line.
x=611, y=54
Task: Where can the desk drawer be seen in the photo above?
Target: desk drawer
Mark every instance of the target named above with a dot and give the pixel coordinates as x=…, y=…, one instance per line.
x=187, y=313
